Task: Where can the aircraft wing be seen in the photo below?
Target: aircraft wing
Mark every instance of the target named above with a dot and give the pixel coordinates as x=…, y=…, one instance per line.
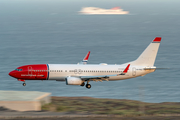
x=104, y=77
x=85, y=60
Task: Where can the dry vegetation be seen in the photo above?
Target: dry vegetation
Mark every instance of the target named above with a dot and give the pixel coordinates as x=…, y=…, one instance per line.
x=87, y=105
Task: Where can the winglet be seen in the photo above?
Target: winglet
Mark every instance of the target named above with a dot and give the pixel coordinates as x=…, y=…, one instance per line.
x=126, y=69
x=86, y=57
x=157, y=40
x=84, y=61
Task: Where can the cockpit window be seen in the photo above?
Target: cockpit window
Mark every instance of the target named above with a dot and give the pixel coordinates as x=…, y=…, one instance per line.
x=18, y=69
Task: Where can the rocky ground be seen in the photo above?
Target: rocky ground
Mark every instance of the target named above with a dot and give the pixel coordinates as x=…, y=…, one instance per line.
x=86, y=108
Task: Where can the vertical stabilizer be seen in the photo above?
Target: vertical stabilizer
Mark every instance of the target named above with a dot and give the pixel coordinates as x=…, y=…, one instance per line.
x=147, y=58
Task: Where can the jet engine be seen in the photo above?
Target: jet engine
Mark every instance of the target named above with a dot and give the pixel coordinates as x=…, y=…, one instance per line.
x=73, y=81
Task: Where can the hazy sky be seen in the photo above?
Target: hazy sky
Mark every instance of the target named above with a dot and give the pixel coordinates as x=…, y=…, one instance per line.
x=53, y=6
x=72, y=1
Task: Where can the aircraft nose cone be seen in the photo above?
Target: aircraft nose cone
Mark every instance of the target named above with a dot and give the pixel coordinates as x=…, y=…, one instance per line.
x=12, y=74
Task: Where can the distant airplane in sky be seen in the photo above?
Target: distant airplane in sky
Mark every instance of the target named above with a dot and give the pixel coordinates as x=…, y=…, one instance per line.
x=78, y=74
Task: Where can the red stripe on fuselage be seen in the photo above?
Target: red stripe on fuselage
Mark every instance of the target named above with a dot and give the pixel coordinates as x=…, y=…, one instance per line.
x=32, y=72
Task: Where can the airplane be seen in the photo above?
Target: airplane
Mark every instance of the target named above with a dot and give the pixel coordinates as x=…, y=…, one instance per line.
x=78, y=74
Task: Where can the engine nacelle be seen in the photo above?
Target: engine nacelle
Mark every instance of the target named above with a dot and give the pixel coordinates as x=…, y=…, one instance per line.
x=73, y=81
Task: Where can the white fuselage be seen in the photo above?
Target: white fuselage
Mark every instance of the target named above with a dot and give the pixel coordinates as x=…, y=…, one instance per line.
x=62, y=71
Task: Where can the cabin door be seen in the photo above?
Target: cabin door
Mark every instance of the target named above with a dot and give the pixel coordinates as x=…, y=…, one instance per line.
x=77, y=71
x=133, y=71
x=29, y=71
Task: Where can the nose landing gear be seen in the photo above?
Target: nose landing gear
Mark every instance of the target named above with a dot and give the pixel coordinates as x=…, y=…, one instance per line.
x=24, y=84
x=22, y=80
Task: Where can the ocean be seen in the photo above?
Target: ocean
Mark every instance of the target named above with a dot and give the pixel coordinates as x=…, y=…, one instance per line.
x=52, y=32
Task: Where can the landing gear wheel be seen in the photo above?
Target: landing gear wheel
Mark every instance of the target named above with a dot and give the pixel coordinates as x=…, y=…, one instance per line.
x=24, y=84
x=88, y=86
x=82, y=84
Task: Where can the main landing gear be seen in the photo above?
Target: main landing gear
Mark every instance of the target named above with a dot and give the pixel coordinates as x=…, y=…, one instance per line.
x=88, y=86
x=83, y=84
